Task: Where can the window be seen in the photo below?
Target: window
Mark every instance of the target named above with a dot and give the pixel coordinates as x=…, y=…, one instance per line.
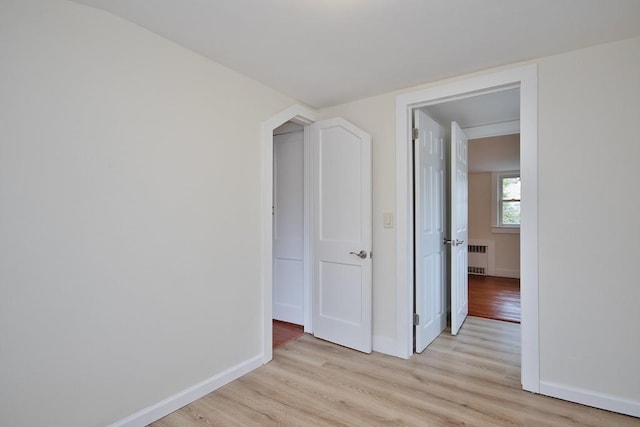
x=510, y=201
x=506, y=202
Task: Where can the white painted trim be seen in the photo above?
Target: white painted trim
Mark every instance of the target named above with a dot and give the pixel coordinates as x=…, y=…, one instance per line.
x=527, y=79
x=172, y=403
x=496, y=129
x=404, y=227
x=530, y=347
x=288, y=128
x=591, y=398
x=384, y=345
x=303, y=116
x=308, y=220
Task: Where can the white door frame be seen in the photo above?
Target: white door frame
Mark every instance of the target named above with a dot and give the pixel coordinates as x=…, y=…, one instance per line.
x=303, y=116
x=526, y=77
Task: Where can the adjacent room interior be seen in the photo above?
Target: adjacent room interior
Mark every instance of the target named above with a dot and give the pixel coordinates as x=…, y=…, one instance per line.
x=494, y=227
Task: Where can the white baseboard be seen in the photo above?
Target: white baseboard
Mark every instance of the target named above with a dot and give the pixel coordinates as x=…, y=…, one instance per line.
x=503, y=272
x=384, y=345
x=590, y=398
x=182, y=398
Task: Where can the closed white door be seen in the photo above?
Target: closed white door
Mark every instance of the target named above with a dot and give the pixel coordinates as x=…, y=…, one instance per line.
x=459, y=228
x=341, y=209
x=288, y=227
x=430, y=229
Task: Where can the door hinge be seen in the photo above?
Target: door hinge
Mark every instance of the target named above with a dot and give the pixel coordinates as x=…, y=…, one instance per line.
x=416, y=133
x=416, y=319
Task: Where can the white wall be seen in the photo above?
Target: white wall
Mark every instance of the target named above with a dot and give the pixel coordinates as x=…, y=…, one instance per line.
x=589, y=232
x=495, y=153
x=589, y=323
x=129, y=216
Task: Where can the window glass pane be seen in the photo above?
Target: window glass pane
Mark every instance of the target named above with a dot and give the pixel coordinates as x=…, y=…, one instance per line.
x=511, y=188
x=511, y=213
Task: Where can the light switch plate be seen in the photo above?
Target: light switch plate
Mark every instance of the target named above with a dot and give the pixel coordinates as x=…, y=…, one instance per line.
x=387, y=220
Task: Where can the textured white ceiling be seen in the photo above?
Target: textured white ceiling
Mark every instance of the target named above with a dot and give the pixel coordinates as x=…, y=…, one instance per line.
x=492, y=154
x=326, y=52
x=488, y=109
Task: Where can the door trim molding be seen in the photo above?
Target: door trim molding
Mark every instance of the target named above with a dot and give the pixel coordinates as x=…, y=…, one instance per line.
x=526, y=77
x=303, y=116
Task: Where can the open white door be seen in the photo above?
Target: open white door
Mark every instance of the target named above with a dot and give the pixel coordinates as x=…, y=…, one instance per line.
x=430, y=229
x=459, y=228
x=341, y=209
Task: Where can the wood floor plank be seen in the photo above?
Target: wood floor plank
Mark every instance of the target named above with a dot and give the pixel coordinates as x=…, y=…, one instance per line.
x=472, y=379
x=494, y=298
x=285, y=332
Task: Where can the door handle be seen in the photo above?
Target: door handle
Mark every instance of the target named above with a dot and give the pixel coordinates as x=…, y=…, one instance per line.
x=362, y=254
x=452, y=242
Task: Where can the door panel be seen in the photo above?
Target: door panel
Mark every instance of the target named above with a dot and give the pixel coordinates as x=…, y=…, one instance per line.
x=340, y=208
x=430, y=229
x=288, y=227
x=341, y=194
x=459, y=228
x=337, y=301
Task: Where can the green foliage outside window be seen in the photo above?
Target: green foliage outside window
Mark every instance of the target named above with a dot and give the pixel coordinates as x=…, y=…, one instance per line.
x=510, y=201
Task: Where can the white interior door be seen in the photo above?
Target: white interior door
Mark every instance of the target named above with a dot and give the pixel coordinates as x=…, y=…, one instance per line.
x=288, y=227
x=459, y=228
x=341, y=209
x=430, y=230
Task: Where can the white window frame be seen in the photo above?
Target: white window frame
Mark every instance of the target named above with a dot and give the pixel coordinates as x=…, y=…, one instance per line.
x=496, y=203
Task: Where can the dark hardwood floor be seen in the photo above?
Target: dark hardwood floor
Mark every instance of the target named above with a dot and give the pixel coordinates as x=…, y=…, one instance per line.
x=494, y=298
x=284, y=333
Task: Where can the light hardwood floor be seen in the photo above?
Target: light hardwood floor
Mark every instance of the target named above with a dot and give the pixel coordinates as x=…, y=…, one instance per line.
x=471, y=380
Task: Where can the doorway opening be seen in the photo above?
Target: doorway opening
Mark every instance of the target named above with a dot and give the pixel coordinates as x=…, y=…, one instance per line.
x=290, y=232
x=524, y=78
x=494, y=227
x=491, y=123
x=304, y=117
x=337, y=198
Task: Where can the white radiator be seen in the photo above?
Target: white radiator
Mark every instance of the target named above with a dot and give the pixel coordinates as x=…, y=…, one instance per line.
x=480, y=257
